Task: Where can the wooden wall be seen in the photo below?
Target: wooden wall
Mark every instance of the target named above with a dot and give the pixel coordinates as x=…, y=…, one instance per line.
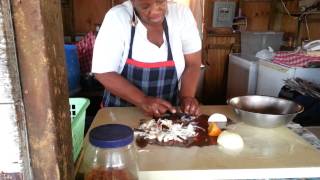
x=89, y=14
x=258, y=14
x=216, y=58
x=217, y=44
x=313, y=25
x=280, y=20
x=67, y=16
x=82, y=16
x=261, y=15
x=270, y=15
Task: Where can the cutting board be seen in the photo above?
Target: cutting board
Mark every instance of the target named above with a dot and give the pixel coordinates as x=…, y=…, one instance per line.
x=267, y=153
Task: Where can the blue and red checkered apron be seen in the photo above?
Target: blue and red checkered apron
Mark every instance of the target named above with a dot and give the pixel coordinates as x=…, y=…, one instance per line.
x=157, y=79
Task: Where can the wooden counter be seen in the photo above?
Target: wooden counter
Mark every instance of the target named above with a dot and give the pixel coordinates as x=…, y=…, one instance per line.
x=268, y=153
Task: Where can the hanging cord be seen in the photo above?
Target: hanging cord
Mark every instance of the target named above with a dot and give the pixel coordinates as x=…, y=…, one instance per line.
x=285, y=7
x=307, y=27
x=307, y=12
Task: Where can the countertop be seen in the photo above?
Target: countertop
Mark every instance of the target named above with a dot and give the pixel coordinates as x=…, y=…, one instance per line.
x=267, y=153
x=315, y=130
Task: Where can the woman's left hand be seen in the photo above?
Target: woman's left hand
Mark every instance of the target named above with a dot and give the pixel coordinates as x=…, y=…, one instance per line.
x=190, y=105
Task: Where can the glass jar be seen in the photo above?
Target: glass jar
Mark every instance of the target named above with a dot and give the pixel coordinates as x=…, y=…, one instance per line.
x=110, y=154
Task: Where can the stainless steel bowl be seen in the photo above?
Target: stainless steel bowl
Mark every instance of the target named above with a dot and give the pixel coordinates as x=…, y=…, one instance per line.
x=264, y=111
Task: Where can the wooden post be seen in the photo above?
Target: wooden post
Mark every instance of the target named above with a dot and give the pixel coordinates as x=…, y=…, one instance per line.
x=14, y=154
x=39, y=40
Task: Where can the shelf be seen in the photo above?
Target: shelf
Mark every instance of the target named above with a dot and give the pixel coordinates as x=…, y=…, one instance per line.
x=223, y=34
x=298, y=13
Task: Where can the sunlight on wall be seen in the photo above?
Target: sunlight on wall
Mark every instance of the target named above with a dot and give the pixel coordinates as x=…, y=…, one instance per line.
x=186, y=2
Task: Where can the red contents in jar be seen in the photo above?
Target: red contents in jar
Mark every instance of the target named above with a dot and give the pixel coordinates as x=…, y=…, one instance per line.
x=109, y=174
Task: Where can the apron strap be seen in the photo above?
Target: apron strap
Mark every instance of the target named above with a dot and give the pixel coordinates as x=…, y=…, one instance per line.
x=133, y=31
x=166, y=32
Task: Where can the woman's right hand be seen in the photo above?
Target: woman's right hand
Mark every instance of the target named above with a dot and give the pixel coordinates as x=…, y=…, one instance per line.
x=156, y=107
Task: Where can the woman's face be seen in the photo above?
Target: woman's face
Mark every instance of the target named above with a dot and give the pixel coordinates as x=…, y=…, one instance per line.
x=151, y=12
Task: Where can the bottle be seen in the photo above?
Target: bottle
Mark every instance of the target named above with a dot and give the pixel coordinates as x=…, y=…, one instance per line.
x=110, y=154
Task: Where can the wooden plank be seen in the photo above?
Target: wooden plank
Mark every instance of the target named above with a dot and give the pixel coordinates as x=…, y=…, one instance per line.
x=9, y=80
x=88, y=14
x=313, y=23
x=67, y=17
x=15, y=160
x=215, y=78
x=258, y=14
x=289, y=23
x=10, y=176
x=9, y=136
x=115, y=2
x=42, y=68
x=219, y=46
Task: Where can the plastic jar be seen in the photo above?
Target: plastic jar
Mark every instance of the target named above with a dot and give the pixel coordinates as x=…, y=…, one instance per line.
x=110, y=154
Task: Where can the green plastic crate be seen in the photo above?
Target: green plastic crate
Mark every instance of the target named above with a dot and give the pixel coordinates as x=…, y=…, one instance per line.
x=78, y=107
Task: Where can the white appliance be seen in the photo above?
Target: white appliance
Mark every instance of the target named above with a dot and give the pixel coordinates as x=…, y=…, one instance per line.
x=242, y=75
x=271, y=76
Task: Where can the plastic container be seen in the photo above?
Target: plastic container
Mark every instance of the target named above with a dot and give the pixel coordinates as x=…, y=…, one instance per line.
x=73, y=68
x=78, y=107
x=252, y=42
x=110, y=154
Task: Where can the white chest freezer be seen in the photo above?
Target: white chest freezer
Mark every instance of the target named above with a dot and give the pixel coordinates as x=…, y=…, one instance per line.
x=242, y=75
x=271, y=76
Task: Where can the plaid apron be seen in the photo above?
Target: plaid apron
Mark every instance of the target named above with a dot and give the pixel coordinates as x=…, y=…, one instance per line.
x=157, y=79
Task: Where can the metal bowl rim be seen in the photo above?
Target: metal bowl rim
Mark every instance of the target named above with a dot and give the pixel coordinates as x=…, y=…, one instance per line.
x=301, y=108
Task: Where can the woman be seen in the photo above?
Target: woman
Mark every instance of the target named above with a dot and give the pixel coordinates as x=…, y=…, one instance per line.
x=144, y=49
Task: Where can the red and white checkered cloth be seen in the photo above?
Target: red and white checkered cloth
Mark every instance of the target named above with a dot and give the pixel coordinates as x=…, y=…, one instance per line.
x=292, y=59
x=85, y=51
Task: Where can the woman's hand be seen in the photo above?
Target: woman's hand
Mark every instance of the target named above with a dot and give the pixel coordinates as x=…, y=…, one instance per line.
x=189, y=83
x=155, y=107
x=190, y=105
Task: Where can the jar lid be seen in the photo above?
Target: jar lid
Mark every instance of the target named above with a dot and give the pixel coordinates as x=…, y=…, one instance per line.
x=111, y=136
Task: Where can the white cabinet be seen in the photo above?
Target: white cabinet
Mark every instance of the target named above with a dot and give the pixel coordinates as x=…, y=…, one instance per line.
x=271, y=77
x=242, y=75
